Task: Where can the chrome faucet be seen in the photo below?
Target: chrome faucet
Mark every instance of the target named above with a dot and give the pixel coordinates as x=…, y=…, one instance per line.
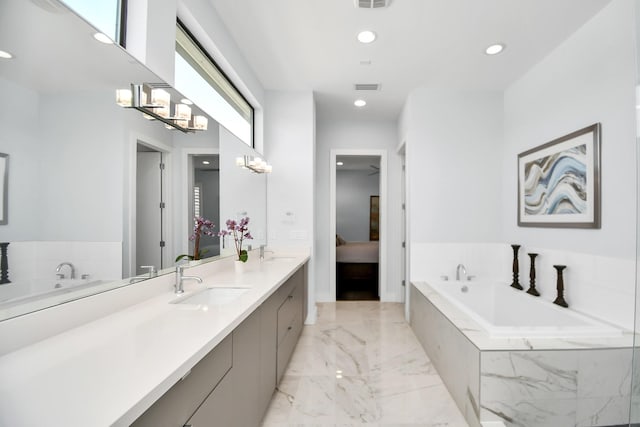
x=62, y=264
x=459, y=268
x=152, y=273
x=180, y=278
x=263, y=250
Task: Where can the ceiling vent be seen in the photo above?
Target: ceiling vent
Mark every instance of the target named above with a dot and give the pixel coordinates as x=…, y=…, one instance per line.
x=367, y=86
x=371, y=4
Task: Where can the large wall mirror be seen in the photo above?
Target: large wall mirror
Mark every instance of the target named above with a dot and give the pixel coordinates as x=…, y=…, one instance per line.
x=85, y=183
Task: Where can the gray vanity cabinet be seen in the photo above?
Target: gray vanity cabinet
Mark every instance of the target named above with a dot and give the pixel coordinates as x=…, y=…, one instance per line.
x=233, y=385
x=290, y=315
x=217, y=409
x=182, y=400
x=246, y=373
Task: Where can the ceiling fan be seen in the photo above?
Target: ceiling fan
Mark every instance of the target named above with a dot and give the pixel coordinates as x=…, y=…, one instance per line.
x=375, y=171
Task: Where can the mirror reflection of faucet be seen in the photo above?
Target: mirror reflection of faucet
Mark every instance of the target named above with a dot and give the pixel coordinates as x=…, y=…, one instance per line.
x=153, y=272
x=460, y=269
x=71, y=267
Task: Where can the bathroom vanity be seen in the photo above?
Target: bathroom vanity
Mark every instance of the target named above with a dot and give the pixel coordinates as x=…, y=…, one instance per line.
x=212, y=356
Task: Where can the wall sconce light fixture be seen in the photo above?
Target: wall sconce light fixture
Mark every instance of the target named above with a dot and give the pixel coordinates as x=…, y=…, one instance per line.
x=256, y=164
x=160, y=106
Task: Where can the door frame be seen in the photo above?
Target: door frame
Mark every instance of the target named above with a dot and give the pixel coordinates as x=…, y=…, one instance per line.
x=129, y=246
x=382, y=265
x=186, y=225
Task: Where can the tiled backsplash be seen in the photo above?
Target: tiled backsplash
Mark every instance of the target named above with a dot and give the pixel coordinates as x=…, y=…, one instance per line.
x=599, y=286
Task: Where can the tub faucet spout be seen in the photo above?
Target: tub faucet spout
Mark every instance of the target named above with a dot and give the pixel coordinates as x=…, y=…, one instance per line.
x=72, y=274
x=460, y=268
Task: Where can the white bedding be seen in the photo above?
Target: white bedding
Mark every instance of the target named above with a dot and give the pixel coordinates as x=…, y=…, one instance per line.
x=357, y=252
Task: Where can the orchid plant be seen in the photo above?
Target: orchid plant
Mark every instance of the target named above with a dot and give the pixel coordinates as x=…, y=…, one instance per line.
x=201, y=226
x=239, y=231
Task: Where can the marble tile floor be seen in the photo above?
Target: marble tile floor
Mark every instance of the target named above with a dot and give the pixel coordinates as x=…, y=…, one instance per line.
x=361, y=364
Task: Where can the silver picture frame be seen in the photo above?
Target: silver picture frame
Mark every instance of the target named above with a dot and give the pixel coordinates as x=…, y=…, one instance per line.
x=4, y=187
x=559, y=182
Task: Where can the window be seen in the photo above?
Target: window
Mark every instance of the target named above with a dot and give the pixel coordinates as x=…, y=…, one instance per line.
x=106, y=15
x=199, y=78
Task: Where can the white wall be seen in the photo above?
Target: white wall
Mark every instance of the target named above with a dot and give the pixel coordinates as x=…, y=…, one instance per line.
x=151, y=35
x=354, y=189
x=335, y=133
x=454, y=159
x=589, y=78
x=242, y=192
x=21, y=141
x=290, y=147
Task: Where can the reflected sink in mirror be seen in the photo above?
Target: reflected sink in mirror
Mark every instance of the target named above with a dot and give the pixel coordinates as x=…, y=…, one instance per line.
x=212, y=296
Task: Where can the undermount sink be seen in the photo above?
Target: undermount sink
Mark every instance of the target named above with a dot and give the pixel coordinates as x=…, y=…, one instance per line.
x=213, y=296
x=280, y=259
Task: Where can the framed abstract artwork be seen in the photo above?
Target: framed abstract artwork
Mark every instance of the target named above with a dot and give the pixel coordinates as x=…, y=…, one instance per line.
x=374, y=218
x=559, y=182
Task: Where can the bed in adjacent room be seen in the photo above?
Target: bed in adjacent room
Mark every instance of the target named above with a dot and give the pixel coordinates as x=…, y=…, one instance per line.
x=357, y=270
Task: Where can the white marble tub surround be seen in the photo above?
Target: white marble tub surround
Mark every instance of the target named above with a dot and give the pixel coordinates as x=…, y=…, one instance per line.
x=532, y=382
x=108, y=371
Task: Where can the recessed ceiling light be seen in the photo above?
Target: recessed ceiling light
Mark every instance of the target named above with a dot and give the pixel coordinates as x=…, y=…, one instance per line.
x=5, y=55
x=339, y=163
x=102, y=38
x=205, y=162
x=186, y=101
x=360, y=103
x=494, y=49
x=366, y=36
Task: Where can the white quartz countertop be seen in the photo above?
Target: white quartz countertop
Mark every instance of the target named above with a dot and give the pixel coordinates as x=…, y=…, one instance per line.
x=109, y=371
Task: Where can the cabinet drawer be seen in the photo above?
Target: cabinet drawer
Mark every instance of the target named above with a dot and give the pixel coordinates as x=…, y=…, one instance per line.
x=287, y=287
x=290, y=309
x=217, y=409
x=285, y=348
x=180, y=401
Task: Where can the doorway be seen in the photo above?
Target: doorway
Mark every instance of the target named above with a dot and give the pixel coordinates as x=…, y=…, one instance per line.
x=205, y=197
x=150, y=209
x=358, y=204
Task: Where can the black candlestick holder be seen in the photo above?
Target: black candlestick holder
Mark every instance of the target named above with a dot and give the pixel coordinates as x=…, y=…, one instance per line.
x=516, y=269
x=4, y=264
x=532, y=276
x=560, y=287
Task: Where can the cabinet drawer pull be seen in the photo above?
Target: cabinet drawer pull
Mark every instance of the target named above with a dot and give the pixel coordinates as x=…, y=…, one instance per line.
x=182, y=379
x=290, y=296
x=289, y=328
x=188, y=425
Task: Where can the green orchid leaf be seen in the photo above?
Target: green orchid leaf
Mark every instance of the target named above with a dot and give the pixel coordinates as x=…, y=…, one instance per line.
x=244, y=256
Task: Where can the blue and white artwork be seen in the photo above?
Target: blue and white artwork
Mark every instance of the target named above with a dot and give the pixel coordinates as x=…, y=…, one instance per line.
x=559, y=182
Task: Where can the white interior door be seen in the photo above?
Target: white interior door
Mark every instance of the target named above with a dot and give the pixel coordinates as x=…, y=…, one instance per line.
x=149, y=204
